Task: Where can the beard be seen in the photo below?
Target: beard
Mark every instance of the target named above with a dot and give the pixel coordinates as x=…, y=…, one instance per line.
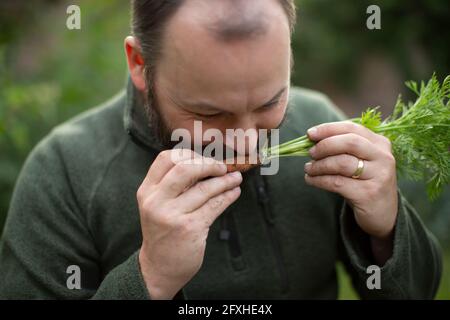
x=160, y=129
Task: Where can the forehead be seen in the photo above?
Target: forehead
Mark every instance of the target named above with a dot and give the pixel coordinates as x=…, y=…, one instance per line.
x=196, y=62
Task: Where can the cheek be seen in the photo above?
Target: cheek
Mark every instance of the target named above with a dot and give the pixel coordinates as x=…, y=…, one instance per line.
x=173, y=116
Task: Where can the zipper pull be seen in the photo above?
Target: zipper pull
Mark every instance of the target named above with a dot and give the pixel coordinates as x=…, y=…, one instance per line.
x=224, y=233
x=262, y=194
x=263, y=197
x=264, y=200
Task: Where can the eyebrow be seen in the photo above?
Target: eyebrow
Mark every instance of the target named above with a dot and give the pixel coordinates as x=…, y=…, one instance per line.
x=210, y=107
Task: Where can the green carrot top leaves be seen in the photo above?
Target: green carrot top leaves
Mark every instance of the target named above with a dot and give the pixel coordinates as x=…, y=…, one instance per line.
x=419, y=133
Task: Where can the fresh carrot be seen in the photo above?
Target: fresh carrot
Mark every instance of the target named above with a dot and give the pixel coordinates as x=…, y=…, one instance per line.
x=243, y=165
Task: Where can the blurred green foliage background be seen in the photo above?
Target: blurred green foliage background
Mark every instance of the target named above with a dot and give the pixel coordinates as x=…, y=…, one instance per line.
x=49, y=73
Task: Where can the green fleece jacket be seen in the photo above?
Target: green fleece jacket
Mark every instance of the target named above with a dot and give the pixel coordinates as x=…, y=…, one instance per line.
x=75, y=204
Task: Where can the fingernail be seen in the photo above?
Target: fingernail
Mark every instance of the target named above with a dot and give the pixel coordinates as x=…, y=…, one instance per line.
x=236, y=175
x=312, y=132
x=307, y=166
x=312, y=150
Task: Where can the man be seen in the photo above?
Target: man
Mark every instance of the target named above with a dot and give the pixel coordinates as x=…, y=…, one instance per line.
x=103, y=200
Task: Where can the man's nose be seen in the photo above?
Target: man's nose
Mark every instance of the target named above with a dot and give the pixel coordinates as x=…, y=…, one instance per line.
x=242, y=140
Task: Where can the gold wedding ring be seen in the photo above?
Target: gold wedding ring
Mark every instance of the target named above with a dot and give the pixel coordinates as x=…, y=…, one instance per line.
x=359, y=170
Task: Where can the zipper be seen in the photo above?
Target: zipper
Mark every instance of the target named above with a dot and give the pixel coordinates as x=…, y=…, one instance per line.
x=264, y=201
x=228, y=233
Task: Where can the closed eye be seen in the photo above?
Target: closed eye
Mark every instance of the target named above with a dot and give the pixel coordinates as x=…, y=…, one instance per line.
x=267, y=106
x=208, y=116
x=270, y=105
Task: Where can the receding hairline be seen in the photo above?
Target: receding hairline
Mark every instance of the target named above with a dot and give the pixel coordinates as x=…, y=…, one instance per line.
x=229, y=20
x=239, y=21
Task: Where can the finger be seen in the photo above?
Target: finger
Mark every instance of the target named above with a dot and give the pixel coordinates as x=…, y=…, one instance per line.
x=343, y=164
x=326, y=130
x=204, y=190
x=165, y=161
x=349, y=143
x=188, y=172
x=214, y=207
x=345, y=186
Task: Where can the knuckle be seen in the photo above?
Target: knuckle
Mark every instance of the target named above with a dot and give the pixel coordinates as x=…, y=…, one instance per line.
x=173, y=187
x=216, y=203
x=337, y=182
x=189, y=226
x=164, y=155
x=162, y=220
x=147, y=204
x=353, y=141
x=140, y=194
x=220, y=167
x=352, y=127
x=391, y=159
x=230, y=196
x=326, y=166
x=345, y=163
x=387, y=142
x=321, y=146
x=203, y=187
x=177, y=224
x=387, y=174
x=388, y=163
x=144, y=191
x=181, y=155
x=181, y=169
x=322, y=129
x=165, y=221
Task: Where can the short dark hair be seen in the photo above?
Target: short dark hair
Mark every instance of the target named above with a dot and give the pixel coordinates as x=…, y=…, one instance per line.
x=149, y=17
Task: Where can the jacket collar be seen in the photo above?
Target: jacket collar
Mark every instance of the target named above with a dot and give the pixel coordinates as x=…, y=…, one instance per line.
x=136, y=121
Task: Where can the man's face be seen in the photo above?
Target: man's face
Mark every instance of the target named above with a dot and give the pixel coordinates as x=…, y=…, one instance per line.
x=241, y=83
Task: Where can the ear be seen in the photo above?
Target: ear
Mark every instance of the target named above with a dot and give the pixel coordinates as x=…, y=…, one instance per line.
x=135, y=62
